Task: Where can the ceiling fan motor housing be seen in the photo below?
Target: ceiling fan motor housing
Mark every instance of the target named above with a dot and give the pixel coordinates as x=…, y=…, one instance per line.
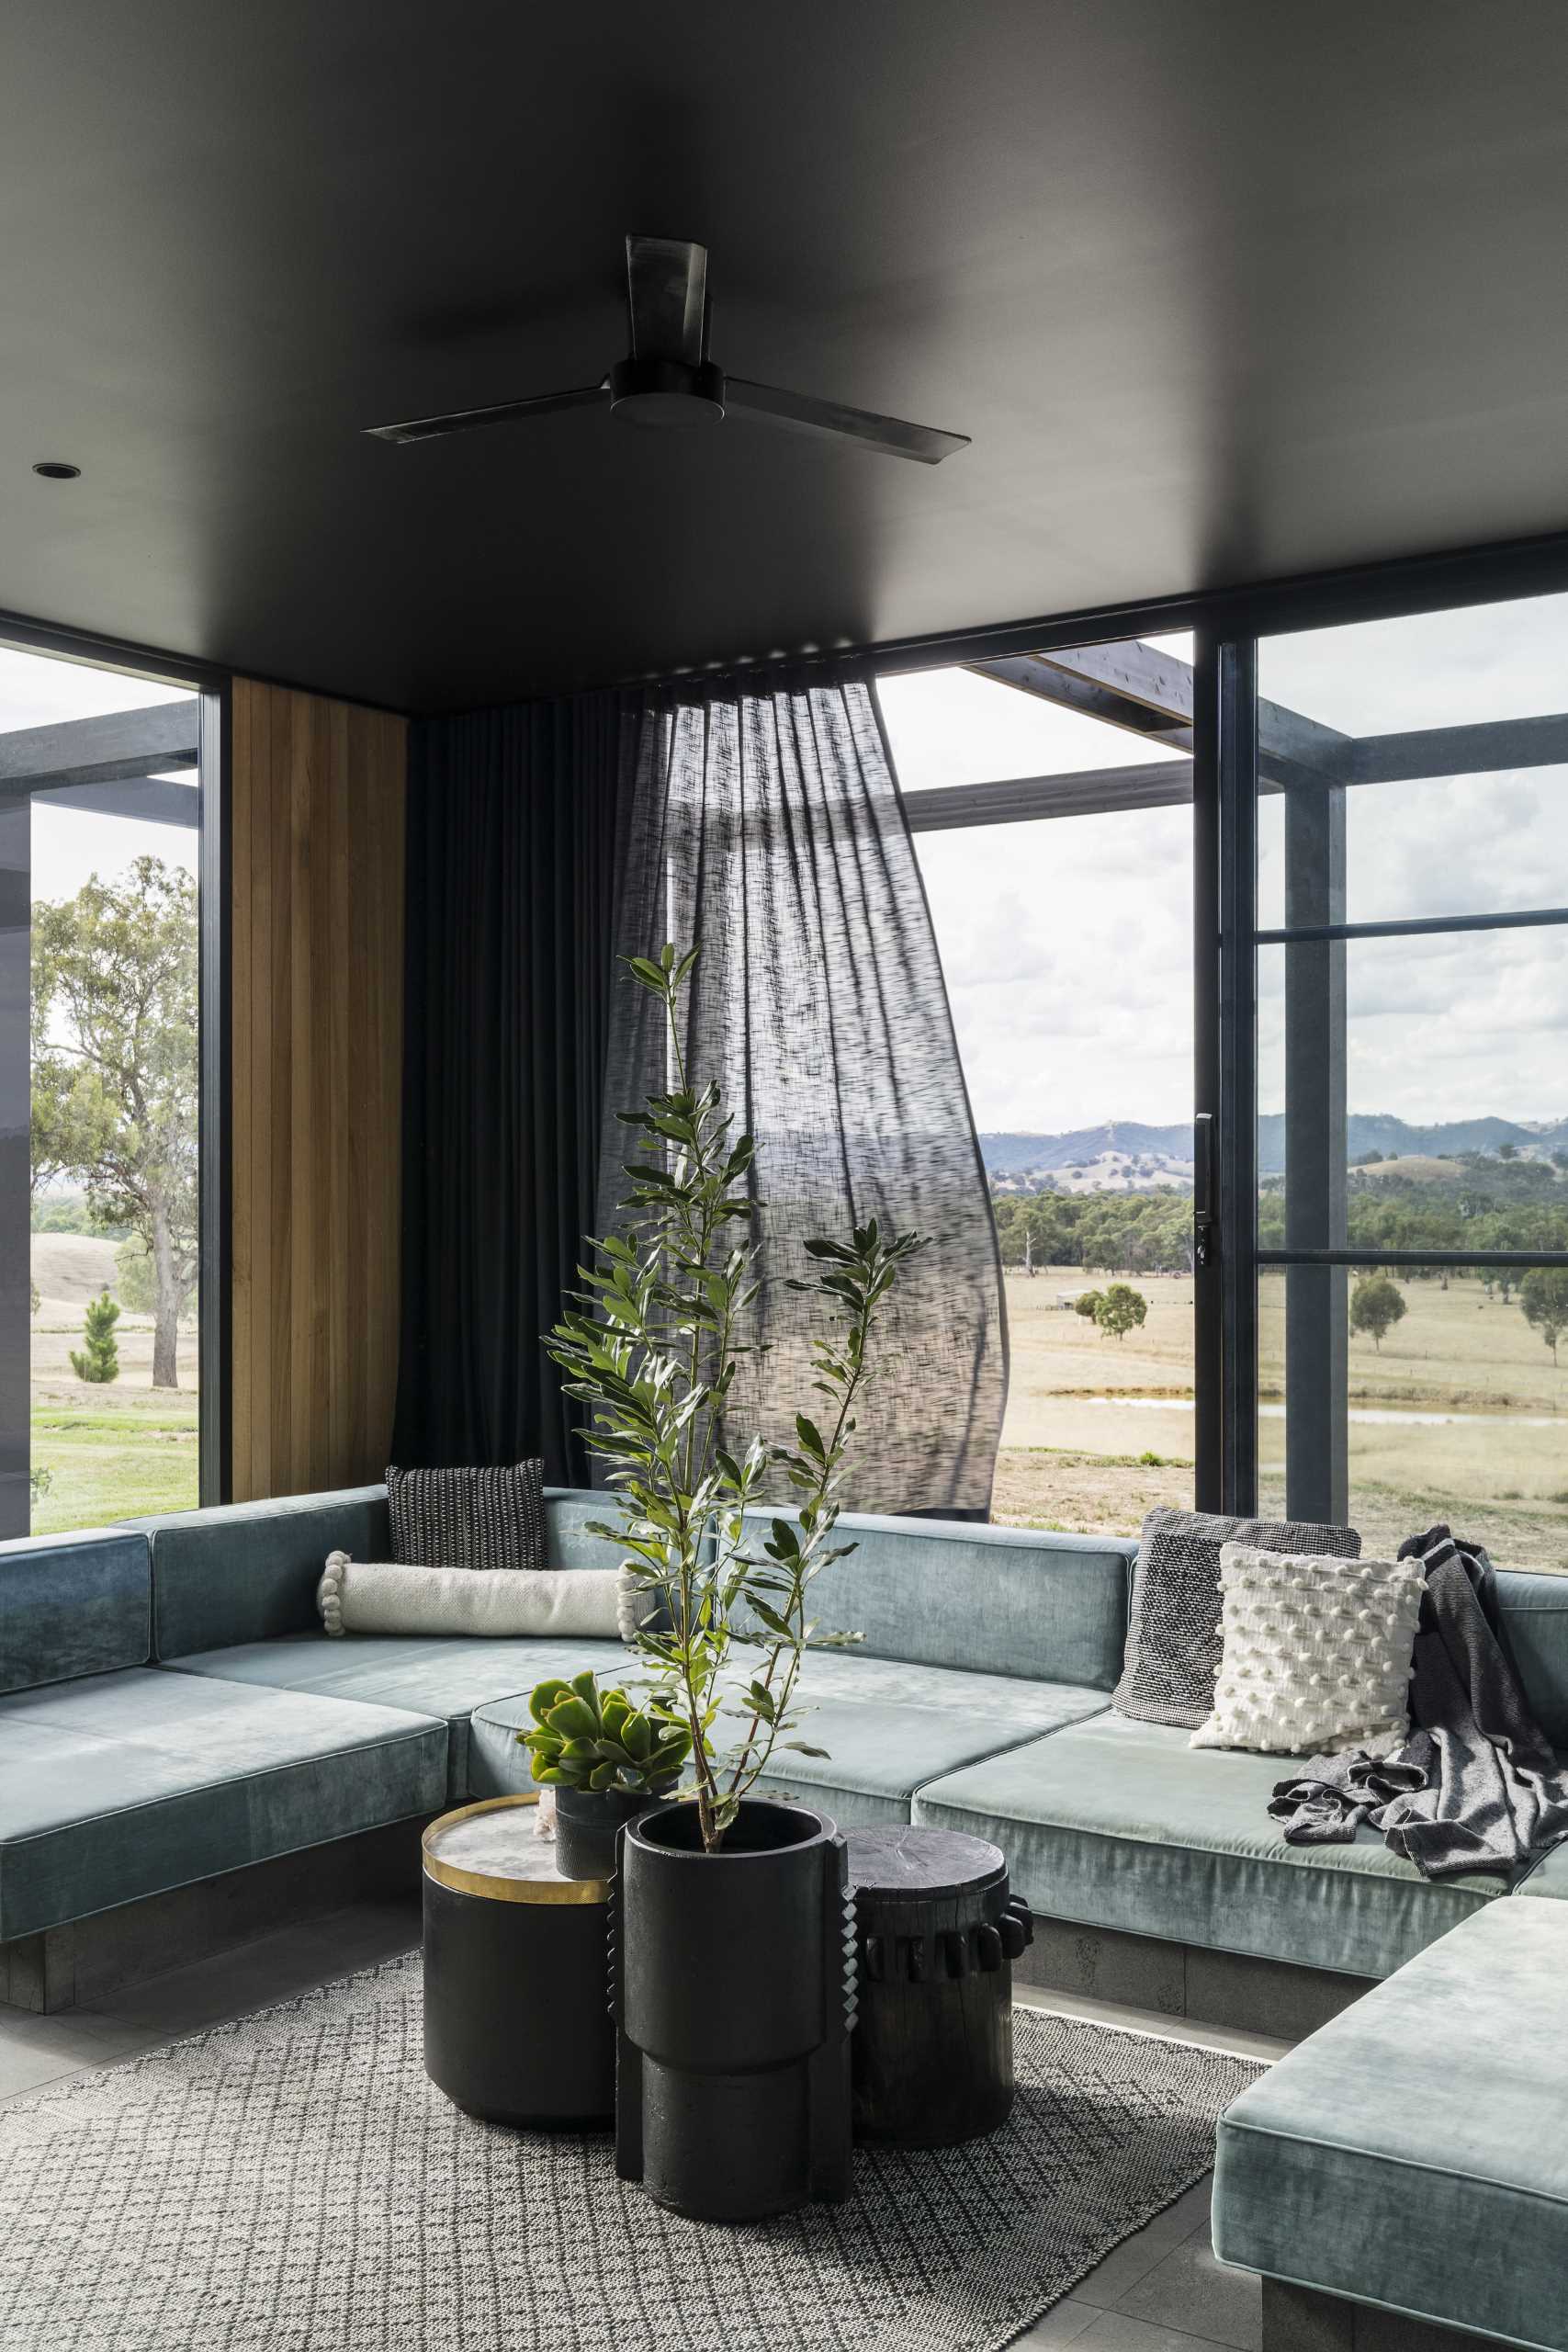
x=648, y=390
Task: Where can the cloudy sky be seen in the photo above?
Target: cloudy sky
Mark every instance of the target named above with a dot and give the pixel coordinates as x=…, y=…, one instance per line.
x=1067, y=943
x=68, y=847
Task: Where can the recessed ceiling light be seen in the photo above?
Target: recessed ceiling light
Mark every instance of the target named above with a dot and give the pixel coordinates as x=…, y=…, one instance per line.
x=56, y=469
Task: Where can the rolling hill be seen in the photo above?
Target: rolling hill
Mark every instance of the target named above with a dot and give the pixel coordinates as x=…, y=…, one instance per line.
x=1125, y=1153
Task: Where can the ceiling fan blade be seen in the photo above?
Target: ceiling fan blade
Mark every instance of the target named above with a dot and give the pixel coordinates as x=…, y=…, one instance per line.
x=667, y=298
x=800, y=411
x=465, y=420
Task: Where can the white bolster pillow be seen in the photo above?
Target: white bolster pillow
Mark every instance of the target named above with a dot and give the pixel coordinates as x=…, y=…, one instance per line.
x=374, y=1597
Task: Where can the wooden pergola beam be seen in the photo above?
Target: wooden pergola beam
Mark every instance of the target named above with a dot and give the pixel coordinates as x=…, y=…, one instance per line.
x=110, y=749
x=1085, y=792
x=151, y=800
x=1483, y=749
x=1054, y=678
x=1150, y=692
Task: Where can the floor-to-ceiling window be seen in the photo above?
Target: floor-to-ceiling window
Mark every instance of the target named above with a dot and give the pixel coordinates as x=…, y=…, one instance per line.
x=100, y=841
x=1049, y=799
x=1412, y=1155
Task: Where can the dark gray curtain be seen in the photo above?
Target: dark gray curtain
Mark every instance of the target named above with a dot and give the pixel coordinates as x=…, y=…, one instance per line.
x=513, y=816
x=765, y=826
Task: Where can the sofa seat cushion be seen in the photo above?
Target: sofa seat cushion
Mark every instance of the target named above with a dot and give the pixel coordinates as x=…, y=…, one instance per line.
x=1117, y=1824
x=1547, y=1875
x=1411, y=2154
x=129, y=1783
x=887, y=1727
x=429, y=1674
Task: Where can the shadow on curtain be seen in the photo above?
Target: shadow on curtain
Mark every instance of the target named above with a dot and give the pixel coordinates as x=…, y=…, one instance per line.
x=765, y=827
x=513, y=816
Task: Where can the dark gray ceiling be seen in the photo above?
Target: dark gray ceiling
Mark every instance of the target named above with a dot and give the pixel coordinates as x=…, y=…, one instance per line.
x=1221, y=289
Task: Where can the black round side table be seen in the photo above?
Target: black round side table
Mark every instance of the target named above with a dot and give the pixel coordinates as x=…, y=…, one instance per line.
x=516, y=2018
x=937, y=1932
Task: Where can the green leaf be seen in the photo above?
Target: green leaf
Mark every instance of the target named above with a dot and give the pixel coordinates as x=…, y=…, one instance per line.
x=802, y=1748
x=770, y=1617
x=651, y=975
x=544, y=1697
x=636, y=1736
x=573, y=1720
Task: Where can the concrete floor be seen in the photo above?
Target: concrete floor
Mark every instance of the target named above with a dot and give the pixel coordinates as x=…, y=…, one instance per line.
x=1159, y=2291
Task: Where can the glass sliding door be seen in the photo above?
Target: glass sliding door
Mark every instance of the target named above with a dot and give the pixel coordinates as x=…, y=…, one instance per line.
x=1050, y=800
x=1411, y=1058
x=100, y=834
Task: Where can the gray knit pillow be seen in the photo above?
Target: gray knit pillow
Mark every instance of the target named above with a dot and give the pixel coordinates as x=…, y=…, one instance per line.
x=1173, y=1644
x=469, y=1519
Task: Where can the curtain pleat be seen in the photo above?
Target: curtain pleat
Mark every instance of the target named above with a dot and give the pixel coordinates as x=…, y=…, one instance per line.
x=765, y=827
x=514, y=817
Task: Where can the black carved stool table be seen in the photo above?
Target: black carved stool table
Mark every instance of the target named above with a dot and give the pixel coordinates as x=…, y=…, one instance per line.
x=516, y=2024
x=931, y=2054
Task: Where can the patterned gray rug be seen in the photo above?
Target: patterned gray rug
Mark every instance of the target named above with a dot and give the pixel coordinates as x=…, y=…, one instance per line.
x=293, y=2183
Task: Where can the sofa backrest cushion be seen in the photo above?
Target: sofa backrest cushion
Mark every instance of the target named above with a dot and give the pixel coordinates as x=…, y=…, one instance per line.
x=248, y=1572
x=989, y=1599
x=568, y=1513
x=71, y=1605
x=1534, y=1614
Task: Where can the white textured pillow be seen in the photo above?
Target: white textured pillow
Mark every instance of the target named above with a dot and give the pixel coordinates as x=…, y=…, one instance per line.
x=1318, y=1653
x=373, y=1597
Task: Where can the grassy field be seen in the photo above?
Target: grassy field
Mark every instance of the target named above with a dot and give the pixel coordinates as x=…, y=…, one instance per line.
x=115, y=1449
x=1099, y=1430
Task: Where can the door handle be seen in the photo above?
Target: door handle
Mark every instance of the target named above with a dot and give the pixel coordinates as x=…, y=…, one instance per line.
x=1205, y=1204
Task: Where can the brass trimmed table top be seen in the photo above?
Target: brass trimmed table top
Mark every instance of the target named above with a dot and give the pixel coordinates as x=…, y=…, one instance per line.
x=488, y=1849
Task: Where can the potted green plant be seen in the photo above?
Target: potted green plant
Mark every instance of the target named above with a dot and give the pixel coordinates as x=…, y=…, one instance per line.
x=607, y=1761
x=730, y=1976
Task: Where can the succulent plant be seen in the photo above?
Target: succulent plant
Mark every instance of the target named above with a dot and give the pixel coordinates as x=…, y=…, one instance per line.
x=583, y=1737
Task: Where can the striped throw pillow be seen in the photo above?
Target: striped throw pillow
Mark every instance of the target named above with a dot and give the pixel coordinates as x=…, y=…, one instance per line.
x=469, y=1519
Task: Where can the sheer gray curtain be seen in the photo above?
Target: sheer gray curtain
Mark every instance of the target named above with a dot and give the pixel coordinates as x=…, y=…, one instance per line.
x=766, y=829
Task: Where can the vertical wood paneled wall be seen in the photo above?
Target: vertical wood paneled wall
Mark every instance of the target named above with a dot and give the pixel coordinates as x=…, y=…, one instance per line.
x=316, y=939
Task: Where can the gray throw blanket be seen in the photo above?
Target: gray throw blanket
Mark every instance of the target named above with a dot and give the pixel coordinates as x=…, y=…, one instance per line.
x=1476, y=1786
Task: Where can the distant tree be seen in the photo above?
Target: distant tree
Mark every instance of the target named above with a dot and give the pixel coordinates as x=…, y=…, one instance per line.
x=98, y=1361
x=1120, y=1309
x=1559, y=1159
x=1087, y=1303
x=1543, y=1295
x=114, y=1094
x=1508, y=1151
x=1376, y=1306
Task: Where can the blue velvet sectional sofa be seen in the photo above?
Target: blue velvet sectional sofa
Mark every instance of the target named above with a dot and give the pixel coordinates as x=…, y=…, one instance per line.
x=172, y=1710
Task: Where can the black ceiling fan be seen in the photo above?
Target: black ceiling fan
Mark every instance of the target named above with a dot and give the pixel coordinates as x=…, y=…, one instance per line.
x=666, y=378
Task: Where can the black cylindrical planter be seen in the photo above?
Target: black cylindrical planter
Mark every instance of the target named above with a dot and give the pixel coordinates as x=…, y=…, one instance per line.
x=734, y=1986
x=586, y=1823
x=516, y=2030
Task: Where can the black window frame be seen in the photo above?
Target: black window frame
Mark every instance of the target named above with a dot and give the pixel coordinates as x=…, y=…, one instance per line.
x=1228, y=626
x=211, y=686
